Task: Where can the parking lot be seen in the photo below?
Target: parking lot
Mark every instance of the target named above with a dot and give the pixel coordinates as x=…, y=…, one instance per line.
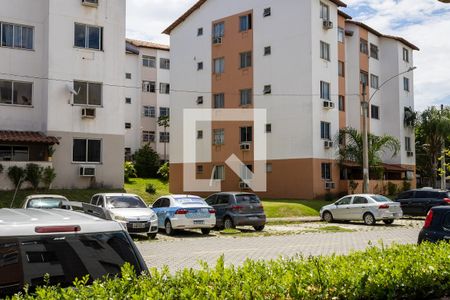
x=186, y=249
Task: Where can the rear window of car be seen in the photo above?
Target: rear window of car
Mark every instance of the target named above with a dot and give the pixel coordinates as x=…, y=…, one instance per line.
x=45, y=203
x=406, y=195
x=125, y=202
x=380, y=198
x=26, y=260
x=247, y=198
x=190, y=201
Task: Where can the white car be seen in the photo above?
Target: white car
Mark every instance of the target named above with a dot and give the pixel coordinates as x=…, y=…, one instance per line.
x=184, y=212
x=129, y=210
x=366, y=207
x=47, y=202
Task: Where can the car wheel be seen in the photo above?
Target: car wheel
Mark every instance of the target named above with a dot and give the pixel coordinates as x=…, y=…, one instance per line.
x=168, y=227
x=369, y=219
x=206, y=231
x=228, y=223
x=388, y=222
x=259, y=228
x=152, y=235
x=327, y=217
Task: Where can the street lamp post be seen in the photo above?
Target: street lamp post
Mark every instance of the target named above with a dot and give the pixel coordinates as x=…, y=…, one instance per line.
x=365, y=111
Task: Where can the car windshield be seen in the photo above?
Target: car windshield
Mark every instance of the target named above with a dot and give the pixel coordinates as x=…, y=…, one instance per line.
x=190, y=201
x=380, y=198
x=45, y=203
x=125, y=202
x=247, y=198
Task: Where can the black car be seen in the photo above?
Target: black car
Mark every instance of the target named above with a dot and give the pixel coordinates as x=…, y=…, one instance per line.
x=237, y=209
x=418, y=202
x=437, y=225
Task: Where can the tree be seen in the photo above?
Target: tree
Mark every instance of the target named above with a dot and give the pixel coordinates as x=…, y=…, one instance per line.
x=164, y=171
x=48, y=175
x=164, y=121
x=146, y=162
x=33, y=175
x=129, y=171
x=17, y=175
x=353, y=150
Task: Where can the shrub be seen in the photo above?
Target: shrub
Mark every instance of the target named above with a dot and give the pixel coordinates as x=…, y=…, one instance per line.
x=392, y=188
x=129, y=171
x=150, y=188
x=398, y=272
x=16, y=175
x=146, y=162
x=33, y=175
x=406, y=185
x=48, y=175
x=164, y=171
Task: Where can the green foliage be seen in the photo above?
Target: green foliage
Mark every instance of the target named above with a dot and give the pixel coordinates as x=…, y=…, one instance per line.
x=150, y=188
x=164, y=171
x=329, y=197
x=392, y=188
x=406, y=185
x=33, y=175
x=48, y=176
x=146, y=162
x=16, y=175
x=398, y=272
x=129, y=171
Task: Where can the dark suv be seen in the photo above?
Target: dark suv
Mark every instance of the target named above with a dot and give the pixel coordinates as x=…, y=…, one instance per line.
x=237, y=209
x=418, y=202
x=437, y=225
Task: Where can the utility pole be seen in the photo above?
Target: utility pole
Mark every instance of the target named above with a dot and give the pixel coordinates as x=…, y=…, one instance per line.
x=444, y=173
x=365, y=112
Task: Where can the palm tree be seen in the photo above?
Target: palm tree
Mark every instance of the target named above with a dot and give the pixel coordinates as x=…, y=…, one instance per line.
x=353, y=149
x=164, y=121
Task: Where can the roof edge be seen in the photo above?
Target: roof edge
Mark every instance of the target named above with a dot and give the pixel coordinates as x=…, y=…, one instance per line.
x=147, y=44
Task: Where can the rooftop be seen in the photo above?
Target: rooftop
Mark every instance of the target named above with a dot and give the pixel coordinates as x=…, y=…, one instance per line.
x=26, y=137
x=146, y=44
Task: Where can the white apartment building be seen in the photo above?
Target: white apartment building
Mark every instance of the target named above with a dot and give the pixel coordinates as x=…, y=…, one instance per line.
x=303, y=62
x=62, y=68
x=147, y=97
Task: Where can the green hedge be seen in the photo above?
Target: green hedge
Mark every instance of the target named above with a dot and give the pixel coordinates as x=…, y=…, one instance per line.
x=398, y=272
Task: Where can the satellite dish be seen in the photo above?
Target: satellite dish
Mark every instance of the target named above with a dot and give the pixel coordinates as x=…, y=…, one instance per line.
x=72, y=90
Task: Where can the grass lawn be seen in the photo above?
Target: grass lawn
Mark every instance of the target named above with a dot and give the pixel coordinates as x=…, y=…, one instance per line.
x=137, y=186
x=292, y=208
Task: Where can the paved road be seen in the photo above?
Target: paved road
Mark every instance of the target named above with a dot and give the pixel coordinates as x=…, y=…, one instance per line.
x=186, y=252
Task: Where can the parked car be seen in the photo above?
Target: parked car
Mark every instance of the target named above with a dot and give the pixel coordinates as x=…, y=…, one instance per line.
x=437, y=225
x=184, y=212
x=63, y=244
x=419, y=201
x=129, y=210
x=46, y=201
x=238, y=209
x=366, y=207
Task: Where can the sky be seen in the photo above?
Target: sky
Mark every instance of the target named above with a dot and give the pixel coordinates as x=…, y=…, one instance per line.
x=425, y=23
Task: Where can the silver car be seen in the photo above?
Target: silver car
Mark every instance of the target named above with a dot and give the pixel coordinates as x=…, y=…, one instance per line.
x=46, y=201
x=366, y=207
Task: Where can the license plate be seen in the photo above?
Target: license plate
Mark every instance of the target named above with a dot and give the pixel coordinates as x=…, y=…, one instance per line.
x=198, y=222
x=138, y=225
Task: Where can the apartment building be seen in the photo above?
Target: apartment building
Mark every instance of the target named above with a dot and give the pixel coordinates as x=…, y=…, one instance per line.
x=305, y=63
x=147, y=97
x=62, y=66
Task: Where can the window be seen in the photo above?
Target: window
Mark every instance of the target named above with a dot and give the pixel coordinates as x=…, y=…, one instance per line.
x=164, y=63
x=200, y=31
x=128, y=100
x=149, y=111
x=267, y=89
x=360, y=200
x=219, y=136
x=246, y=97
x=164, y=88
x=89, y=37
x=149, y=61
x=406, y=84
x=269, y=168
x=374, y=81
x=87, y=151
x=267, y=12
x=341, y=103
x=246, y=134
x=199, y=169
x=246, y=172
x=148, y=136
x=341, y=35
x=219, y=173
x=325, y=90
x=245, y=22
x=405, y=55
x=16, y=36
x=326, y=171
x=407, y=143
x=246, y=59
x=218, y=32
x=88, y=93
x=13, y=153
x=149, y=86
x=128, y=155
x=16, y=93
x=127, y=125
x=199, y=134
x=199, y=66
x=324, y=11
x=373, y=51
x=219, y=65
x=344, y=201
x=363, y=46
x=127, y=75
x=341, y=68
x=164, y=112
x=267, y=50
x=364, y=78
x=90, y=2
x=375, y=112
x=324, y=50
x=325, y=130
x=219, y=100
x=164, y=137
x=268, y=128
x=200, y=100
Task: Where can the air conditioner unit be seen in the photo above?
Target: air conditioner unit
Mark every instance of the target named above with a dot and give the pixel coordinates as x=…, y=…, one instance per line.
x=87, y=171
x=328, y=144
x=243, y=185
x=409, y=153
x=330, y=185
x=328, y=104
x=245, y=146
x=217, y=40
x=88, y=113
x=327, y=24
x=90, y=2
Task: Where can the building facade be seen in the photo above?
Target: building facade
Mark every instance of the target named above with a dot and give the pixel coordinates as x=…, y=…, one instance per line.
x=304, y=62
